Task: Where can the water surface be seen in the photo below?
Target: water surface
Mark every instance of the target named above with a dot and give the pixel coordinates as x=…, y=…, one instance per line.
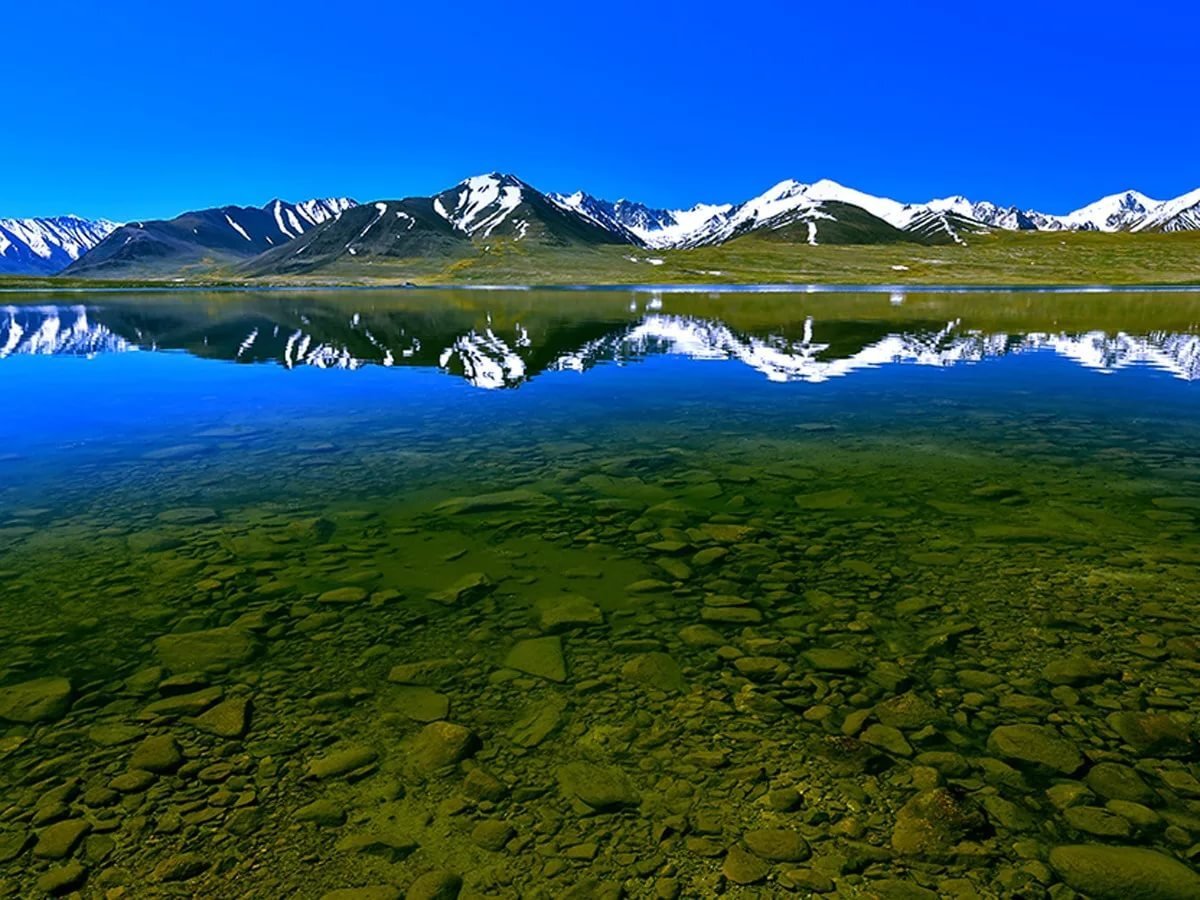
x=668, y=594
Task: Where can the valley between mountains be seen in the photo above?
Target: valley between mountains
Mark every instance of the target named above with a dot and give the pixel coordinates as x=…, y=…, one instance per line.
x=497, y=229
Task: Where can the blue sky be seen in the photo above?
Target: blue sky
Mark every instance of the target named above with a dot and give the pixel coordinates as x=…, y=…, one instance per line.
x=139, y=109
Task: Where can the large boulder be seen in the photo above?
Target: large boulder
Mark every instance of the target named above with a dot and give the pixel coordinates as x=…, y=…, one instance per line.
x=40, y=700
x=1104, y=872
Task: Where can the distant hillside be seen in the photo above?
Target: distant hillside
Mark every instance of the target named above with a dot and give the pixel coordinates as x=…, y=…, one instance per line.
x=203, y=237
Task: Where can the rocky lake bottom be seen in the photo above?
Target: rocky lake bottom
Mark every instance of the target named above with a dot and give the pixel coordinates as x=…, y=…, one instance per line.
x=661, y=629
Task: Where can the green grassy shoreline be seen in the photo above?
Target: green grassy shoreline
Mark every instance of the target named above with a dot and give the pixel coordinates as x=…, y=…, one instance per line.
x=1000, y=259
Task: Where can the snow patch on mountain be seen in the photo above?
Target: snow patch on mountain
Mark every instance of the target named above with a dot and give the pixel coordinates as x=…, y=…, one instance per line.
x=44, y=246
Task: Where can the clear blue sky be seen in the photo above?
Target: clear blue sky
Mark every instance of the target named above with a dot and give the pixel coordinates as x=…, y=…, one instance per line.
x=142, y=109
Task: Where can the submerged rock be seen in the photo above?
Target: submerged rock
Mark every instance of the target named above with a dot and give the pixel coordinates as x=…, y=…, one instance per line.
x=40, y=700
x=1037, y=745
x=655, y=670
x=934, y=821
x=600, y=788
x=1124, y=873
x=195, y=651
x=542, y=657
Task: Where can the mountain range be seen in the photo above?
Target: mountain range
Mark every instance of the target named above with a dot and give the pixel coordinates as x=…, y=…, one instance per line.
x=488, y=213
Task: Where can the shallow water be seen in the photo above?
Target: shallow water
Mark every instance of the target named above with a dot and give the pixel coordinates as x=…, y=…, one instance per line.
x=837, y=593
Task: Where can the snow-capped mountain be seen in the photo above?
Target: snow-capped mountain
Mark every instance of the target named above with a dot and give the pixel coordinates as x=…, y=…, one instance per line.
x=947, y=219
x=223, y=234
x=498, y=205
x=1117, y=212
x=1180, y=214
x=47, y=246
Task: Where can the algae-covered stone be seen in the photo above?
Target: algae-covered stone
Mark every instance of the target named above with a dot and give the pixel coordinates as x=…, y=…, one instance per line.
x=228, y=719
x=391, y=846
x=160, y=753
x=832, y=659
x=467, y=589
x=40, y=700
x=323, y=812
x=1115, y=781
x=519, y=498
x=908, y=711
x=538, y=721
x=887, y=738
x=1035, y=744
x=557, y=614
x=60, y=839
x=655, y=670
x=492, y=834
x=436, y=885
x=369, y=892
x=1097, y=821
x=742, y=867
x=195, y=651
x=1105, y=872
x=1077, y=670
x=542, y=657
x=351, y=594
x=62, y=879
x=777, y=844
x=441, y=744
x=935, y=820
x=1154, y=734
x=341, y=761
x=419, y=703
x=180, y=867
x=599, y=787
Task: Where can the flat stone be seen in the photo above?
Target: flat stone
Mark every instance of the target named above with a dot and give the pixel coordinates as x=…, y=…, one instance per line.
x=441, y=744
x=195, y=651
x=427, y=672
x=324, y=812
x=160, y=754
x=132, y=782
x=419, y=703
x=62, y=879
x=655, y=670
x=370, y=892
x=701, y=636
x=180, y=867
x=468, y=589
x=228, y=719
x=492, y=834
x=777, y=844
x=40, y=700
x=1107, y=872
x=600, y=788
x=742, y=867
x=1077, y=671
x=188, y=515
x=558, y=614
x=60, y=839
x=542, y=657
x=391, y=846
x=519, y=498
x=731, y=615
x=1115, y=781
x=191, y=704
x=832, y=659
x=1036, y=744
x=1153, y=734
x=887, y=738
x=1097, y=821
x=436, y=885
x=538, y=721
x=344, y=595
x=342, y=761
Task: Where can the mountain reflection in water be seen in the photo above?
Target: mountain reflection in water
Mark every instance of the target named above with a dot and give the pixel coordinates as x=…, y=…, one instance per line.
x=501, y=340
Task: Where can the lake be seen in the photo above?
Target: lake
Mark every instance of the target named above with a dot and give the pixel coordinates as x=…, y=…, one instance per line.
x=599, y=593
